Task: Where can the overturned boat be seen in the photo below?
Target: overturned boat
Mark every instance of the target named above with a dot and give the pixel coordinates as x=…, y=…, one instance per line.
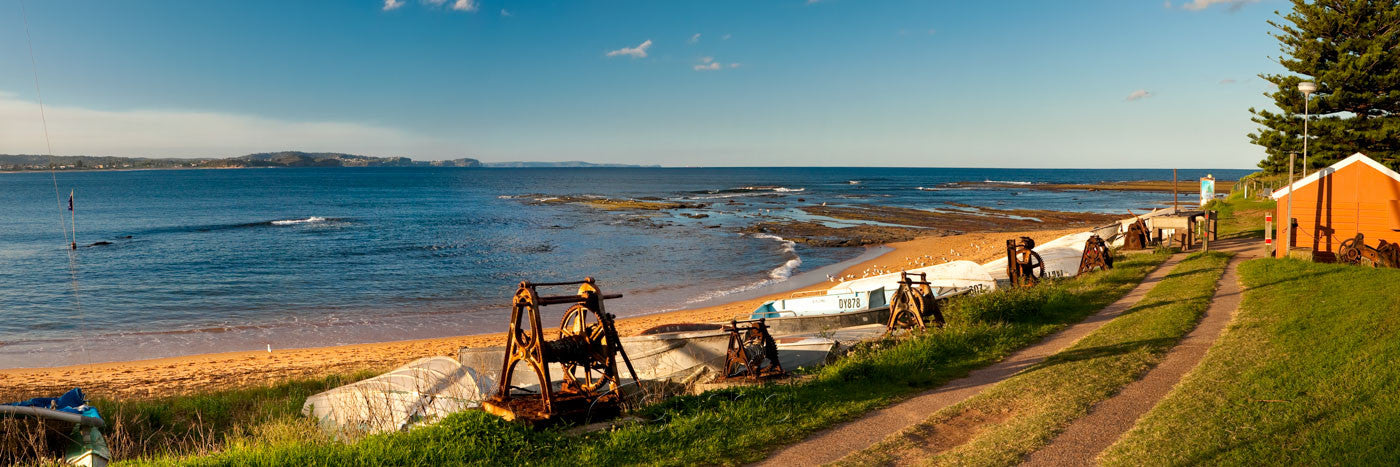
x=421, y=391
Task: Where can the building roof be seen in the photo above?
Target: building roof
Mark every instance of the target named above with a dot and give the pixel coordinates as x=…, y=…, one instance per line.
x=1355, y=158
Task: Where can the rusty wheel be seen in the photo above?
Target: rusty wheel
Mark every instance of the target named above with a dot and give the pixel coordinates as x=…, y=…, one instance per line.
x=1348, y=252
x=593, y=374
x=1029, y=261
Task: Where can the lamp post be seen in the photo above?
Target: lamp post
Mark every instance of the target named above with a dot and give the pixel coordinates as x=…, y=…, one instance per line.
x=1307, y=87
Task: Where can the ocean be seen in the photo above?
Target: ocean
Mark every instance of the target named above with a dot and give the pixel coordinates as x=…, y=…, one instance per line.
x=220, y=260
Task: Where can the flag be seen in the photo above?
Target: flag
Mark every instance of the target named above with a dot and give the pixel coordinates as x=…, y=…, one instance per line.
x=70, y=201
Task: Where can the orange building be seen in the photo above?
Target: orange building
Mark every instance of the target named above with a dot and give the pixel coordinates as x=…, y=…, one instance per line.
x=1354, y=195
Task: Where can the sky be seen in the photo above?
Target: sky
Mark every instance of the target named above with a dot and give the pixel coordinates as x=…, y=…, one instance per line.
x=887, y=83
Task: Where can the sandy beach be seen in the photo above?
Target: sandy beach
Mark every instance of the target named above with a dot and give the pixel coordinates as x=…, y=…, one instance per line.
x=178, y=375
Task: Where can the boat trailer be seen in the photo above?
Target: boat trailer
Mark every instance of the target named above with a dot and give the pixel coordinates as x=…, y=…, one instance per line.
x=752, y=353
x=1022, y=262
x=1096, y=255
x=911, y=303
x=1355, y=251
x=589, y=346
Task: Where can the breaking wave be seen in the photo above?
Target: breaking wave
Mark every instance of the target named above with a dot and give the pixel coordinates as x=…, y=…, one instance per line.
x=778, y=274
x=790, y=249
x=309, y=220
x=757, y=190
x=1008, y=182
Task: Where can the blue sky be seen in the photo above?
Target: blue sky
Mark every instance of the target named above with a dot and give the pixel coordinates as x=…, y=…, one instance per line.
x=826, y=83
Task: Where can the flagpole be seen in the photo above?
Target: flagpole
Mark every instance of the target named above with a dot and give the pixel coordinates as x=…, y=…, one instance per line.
x=73, y=221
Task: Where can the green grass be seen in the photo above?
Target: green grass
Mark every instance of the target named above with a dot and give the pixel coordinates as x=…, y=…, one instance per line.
x=204, y=423
x=734, y=425
x=1017, y=416
x=1307, y=373
x=1241, y=217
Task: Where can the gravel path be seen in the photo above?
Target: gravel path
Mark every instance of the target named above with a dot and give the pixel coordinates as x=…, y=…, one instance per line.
x=1086, y=437
x=837, y=442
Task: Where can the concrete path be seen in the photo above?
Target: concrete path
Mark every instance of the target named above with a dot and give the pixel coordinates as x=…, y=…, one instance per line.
x=1086, y=437
x=837, y=442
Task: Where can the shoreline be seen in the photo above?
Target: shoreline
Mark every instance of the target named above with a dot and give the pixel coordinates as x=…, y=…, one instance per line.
x=226, y=370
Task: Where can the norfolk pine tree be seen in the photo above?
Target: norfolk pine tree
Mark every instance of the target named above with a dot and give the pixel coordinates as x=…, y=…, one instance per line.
x=1351, y=49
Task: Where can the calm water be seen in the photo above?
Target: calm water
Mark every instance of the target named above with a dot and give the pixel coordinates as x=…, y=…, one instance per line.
x=214, y=260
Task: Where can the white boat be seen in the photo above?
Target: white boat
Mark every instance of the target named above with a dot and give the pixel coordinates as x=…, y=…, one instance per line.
x=828, y=302
x=945, y=279
x=424, y=390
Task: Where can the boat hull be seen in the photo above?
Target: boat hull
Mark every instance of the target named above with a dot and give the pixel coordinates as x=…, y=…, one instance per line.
x=824, y=323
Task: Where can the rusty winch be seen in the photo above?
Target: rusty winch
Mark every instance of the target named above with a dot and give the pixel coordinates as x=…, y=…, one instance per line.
x=1024, y=267
x=752, y=352
x=1137, y=238
x=1355, y=251
x=912, y=301
x=587, y=349
x=1096, y=255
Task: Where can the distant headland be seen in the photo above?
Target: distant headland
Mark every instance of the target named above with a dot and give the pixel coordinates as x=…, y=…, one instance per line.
x=26, y=162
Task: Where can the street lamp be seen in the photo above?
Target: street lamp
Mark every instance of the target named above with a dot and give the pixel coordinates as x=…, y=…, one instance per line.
x=1307, y=87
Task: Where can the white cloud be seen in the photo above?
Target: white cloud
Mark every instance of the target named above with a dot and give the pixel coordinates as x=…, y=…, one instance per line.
x=709, y=64
x=726, y=37
x=505, y=13
x=1138, y=95
x=1234, y=5
x=392, y=4
x=639, y=51
x=186, y=133
x=694, y=39
x=1227, y=81
x=464, y=5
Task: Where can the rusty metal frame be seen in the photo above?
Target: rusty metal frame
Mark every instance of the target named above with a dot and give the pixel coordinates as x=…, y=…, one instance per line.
x=1096, y=255
x=592, y=347
x=912, y=301
x=752, y=352
x=1022, y=262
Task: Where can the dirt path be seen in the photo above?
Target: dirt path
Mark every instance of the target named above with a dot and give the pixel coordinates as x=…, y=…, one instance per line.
x=1086, y=437
x=837, y=442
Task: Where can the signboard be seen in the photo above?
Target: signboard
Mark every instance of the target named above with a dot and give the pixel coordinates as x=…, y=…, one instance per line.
x=1207, y=189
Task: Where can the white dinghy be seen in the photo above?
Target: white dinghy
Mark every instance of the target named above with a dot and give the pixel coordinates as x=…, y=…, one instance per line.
x=946, y=279
x=424, y=390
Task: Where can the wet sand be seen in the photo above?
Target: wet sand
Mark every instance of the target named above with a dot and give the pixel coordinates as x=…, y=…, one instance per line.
x=193, y=373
